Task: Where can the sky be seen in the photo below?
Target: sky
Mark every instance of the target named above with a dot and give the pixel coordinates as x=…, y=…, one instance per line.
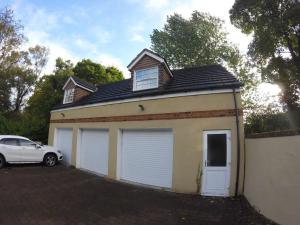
x=108, y=32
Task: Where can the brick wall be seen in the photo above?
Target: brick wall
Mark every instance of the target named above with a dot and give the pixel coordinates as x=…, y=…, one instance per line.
x=158, y=116
x=70, y=85
x=79, y=93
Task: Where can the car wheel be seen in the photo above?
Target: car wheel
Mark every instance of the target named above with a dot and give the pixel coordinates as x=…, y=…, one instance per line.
x=2, y=161
x=50, y=160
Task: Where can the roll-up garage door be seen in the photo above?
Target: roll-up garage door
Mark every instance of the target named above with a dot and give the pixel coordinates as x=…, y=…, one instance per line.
x=93, y=151
x=147, y=157
x=63, y=141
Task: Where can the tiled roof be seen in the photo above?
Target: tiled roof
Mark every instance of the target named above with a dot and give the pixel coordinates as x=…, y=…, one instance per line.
x=84, y=83
x=210, y=77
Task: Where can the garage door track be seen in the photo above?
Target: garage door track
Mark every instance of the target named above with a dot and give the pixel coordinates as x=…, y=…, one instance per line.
x=34, y=195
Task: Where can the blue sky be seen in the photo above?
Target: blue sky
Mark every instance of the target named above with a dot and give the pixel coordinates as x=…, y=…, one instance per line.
x=108, y=32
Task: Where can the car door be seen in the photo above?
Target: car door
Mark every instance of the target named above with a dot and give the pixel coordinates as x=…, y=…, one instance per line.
x=11, y=149
x=30, y=151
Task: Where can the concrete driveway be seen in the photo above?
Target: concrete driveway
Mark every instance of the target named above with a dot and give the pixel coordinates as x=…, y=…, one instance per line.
x=62, y=196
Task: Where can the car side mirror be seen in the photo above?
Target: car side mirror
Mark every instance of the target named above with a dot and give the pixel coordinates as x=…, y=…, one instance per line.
x=37, y=146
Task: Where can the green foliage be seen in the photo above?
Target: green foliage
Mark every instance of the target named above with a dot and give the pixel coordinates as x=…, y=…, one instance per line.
x=200, y=40
x=267, y=122
x=275, y=25
x=48, y=93
x=95, y=73
x=19, y=69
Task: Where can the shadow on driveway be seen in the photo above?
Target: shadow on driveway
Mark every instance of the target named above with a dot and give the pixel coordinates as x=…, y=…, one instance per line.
x=33, y=194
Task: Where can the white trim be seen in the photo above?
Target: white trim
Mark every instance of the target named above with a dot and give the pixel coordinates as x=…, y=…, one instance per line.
x=142, y=55
x=69, y=95
x=228, y=161
x=76, y=84
x=160, y=59
x=119, y=156
x=182, y=94
x=134, y=78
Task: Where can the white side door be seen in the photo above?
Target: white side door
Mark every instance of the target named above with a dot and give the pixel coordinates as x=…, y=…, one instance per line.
x=30, y=153
x=217, y=163
x=63, y=141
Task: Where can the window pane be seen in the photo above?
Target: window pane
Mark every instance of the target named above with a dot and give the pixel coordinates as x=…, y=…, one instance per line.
x=146, y=74
x=69, y=94
x=146, y=84
x=146, y=79
x=11, y=141
x=26, y=143
x=216, y=150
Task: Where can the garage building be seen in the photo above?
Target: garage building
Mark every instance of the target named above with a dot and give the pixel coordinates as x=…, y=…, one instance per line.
x=179, y=130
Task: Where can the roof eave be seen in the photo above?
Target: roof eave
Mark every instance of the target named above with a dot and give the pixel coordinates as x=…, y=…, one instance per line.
x=78, y=85
x=152, y=55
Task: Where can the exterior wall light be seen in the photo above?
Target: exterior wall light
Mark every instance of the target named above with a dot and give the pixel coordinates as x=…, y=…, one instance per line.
x=142, y=107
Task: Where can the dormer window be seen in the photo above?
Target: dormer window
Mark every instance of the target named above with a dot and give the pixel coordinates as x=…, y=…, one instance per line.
x=69, y=95
x=145, y=79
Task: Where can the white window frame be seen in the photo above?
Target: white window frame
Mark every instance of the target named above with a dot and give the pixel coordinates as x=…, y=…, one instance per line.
x=69, y=95
x=135, y=83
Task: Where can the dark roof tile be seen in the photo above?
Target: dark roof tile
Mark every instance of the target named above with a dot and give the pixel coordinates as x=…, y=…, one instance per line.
x=84, y=83
x=210, y=77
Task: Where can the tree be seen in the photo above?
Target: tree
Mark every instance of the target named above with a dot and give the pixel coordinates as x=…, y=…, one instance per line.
x=10, y=39
x=96, y=73
x=201, y=40
x=19, y=69
x=25, y=74
x=48, y=93
x=275, y=25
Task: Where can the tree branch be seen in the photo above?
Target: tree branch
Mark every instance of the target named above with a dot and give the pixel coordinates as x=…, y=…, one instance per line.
x=290, y=47
x=295, y=58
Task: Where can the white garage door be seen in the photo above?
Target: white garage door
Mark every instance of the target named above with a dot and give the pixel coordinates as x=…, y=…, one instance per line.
x=93, y=151
x=64, y=143
x=147, y=157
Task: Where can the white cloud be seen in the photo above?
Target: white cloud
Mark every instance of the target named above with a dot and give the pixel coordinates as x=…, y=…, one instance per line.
x=86, y=45
x=109, y=60
x=55, y=49
x=135, y=33
x=102, y=36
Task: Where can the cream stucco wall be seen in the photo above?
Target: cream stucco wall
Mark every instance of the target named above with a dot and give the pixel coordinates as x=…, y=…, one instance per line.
x=272, y=179
x=178, y=104
x=188, y=133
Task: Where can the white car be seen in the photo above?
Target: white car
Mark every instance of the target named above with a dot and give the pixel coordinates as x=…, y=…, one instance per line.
x=17, y=149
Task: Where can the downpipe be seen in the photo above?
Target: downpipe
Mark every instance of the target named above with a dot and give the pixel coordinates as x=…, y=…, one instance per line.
x=237, y=120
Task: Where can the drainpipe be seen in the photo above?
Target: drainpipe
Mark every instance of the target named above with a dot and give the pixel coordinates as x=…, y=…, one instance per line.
x=237, y=120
